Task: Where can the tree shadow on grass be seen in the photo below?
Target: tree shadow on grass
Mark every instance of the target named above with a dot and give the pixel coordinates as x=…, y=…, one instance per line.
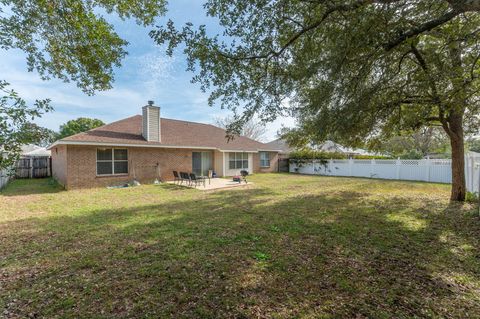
x=246, y=253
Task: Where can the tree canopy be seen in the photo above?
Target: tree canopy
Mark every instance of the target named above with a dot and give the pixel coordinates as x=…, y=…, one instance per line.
x=68, y=40
x=82, y=124
x=355, y=70
x=15, y=126
x=427, y=141
x=474, y=145
x=71, y=40
x=41, y=136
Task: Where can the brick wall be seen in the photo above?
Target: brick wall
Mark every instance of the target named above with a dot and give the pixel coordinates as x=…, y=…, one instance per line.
x=273, y=163
x=74, y=166
x=59, y=164
x=145, y=164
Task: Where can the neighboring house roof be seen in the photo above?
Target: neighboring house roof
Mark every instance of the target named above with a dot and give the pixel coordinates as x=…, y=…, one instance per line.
x=24, y=149
x=174, y=133
x=327, y=146
x=331, y=146
x=42, y=151
x=280, y=144
x=27, y=148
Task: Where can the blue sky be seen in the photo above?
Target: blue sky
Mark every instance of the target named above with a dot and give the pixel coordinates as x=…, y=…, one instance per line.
x=146, y=74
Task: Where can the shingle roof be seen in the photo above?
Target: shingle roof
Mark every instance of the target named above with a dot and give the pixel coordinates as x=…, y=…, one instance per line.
x=173, y=133
x=280, y=144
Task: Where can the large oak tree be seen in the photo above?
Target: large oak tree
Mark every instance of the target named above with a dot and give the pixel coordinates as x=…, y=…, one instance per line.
x=353, y=69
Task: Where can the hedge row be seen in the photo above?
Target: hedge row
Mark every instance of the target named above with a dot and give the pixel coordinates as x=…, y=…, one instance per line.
x=308, y=154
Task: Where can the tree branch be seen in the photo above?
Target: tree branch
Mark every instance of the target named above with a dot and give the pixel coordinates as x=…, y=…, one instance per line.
x=426, y=70
x=425, y=27
x=436, y=97
x=306, y=29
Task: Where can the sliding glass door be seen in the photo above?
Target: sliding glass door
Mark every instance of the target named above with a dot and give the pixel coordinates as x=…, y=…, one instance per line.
x=201, y=163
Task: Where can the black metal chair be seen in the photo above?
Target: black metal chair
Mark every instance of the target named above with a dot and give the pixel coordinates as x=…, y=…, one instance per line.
x=244, y=174
x=197, y=179
x=176, y=177
x=185, y=177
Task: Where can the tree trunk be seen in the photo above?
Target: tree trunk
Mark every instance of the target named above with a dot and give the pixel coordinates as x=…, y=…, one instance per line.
x=455, y=124
x=458, y=158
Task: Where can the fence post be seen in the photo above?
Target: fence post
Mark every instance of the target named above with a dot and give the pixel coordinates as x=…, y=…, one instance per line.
x=50, y=166
x=372, y=168
x=427, y=169
x=30, y=171
x=470, y=172
x=467, y=171
x=397, y=164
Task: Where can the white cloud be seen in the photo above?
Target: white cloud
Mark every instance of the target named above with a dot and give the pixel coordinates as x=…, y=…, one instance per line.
x=155, y=69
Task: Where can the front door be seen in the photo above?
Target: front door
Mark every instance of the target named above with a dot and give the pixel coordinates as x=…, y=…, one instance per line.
x=201, y=163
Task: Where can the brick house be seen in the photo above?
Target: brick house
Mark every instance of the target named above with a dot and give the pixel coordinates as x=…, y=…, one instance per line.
x=145, y=147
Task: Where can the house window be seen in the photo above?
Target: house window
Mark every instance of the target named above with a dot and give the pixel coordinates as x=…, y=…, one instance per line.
x=112, y=161
x=264, y=159
x=238, y=161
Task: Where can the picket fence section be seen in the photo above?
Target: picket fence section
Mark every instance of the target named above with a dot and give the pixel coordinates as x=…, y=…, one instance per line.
x=472, y=172
x=427, y=170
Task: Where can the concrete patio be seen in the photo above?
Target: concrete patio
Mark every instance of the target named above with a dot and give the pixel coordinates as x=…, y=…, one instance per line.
x=215, y=183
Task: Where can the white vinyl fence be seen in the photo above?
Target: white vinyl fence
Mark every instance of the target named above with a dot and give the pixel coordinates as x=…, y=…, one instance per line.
x=428, y=170
x=472, y=172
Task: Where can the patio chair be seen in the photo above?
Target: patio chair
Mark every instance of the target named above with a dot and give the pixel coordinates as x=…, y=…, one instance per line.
x=197, y=179
x=185, y=177
x=176, y=177
x=244, y=174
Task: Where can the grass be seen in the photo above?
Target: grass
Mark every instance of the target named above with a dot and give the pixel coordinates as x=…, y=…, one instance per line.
x=289, y=246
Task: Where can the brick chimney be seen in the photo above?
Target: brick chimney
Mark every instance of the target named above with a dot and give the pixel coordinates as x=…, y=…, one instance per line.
x=151, y=122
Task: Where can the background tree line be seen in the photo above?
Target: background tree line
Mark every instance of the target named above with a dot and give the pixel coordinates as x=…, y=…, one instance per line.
x=43, y=136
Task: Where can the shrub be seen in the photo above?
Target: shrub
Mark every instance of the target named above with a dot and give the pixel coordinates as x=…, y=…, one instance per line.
x=372, y=157
x=471, y=197
x=309, y=154
x=412, y=154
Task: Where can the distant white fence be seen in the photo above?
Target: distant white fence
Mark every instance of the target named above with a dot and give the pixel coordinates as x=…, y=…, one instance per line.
x=427, y=170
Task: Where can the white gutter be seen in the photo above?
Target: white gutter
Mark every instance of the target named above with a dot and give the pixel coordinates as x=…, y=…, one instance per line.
x=143, y=145
x=125, y=145
x=258, y=150
x=262, y=150
x=236, y=151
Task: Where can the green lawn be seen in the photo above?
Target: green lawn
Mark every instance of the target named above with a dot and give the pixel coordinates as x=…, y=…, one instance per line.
x=289, y=246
